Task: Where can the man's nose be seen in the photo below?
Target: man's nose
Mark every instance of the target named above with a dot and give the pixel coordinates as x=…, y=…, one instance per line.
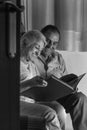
x=52, y=46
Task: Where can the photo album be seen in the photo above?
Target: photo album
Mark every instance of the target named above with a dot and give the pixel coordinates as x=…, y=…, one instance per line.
x=56, y=88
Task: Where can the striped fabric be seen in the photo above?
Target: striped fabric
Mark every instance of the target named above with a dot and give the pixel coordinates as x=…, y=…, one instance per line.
x=32, y=123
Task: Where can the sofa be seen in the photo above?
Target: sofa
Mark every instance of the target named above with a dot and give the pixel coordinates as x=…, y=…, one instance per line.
x=76, y=63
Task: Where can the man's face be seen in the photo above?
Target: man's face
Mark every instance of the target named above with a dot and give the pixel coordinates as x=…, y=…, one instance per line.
x=52, y=41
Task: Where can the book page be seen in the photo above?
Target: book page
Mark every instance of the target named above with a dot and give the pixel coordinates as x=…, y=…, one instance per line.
x=82, y=85
x=72, y=79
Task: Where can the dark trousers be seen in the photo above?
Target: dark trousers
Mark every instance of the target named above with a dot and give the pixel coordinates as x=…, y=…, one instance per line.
x=76, y=105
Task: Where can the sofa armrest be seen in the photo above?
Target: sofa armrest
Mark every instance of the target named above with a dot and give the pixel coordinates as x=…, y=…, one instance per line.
x=32, y=123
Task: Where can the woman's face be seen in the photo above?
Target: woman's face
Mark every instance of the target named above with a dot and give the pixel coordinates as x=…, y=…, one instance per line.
x=36, y=50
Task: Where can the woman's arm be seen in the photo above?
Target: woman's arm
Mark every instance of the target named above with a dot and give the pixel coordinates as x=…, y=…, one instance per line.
x=36, y=81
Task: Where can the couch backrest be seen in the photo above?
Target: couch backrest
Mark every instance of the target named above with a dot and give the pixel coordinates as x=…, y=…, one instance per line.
x=76, y=62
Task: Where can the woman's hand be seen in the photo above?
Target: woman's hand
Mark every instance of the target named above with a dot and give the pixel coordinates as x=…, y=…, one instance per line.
x=38, y=81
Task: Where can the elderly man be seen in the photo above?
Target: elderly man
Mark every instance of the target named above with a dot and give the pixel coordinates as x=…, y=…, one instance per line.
x=75, y=103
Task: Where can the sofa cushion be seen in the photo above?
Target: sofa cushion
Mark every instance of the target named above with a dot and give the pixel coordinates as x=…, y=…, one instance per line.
x=76, y=62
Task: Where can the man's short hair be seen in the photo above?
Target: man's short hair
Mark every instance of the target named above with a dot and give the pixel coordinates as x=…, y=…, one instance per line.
x=49, y=29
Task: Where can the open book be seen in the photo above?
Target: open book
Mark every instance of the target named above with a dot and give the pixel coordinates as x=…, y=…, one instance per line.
x=56, y=88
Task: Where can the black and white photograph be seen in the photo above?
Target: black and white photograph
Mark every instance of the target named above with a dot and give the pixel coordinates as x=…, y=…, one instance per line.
x=43, y=64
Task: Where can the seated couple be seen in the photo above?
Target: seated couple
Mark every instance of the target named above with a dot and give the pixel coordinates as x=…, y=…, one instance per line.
x=35, y=44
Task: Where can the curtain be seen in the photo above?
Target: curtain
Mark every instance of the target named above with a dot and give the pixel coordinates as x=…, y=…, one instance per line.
x=37, y=13
x=68, y=15
x=26, y=16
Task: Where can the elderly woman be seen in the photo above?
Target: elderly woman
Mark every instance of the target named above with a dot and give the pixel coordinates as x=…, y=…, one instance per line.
x=32, y=44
